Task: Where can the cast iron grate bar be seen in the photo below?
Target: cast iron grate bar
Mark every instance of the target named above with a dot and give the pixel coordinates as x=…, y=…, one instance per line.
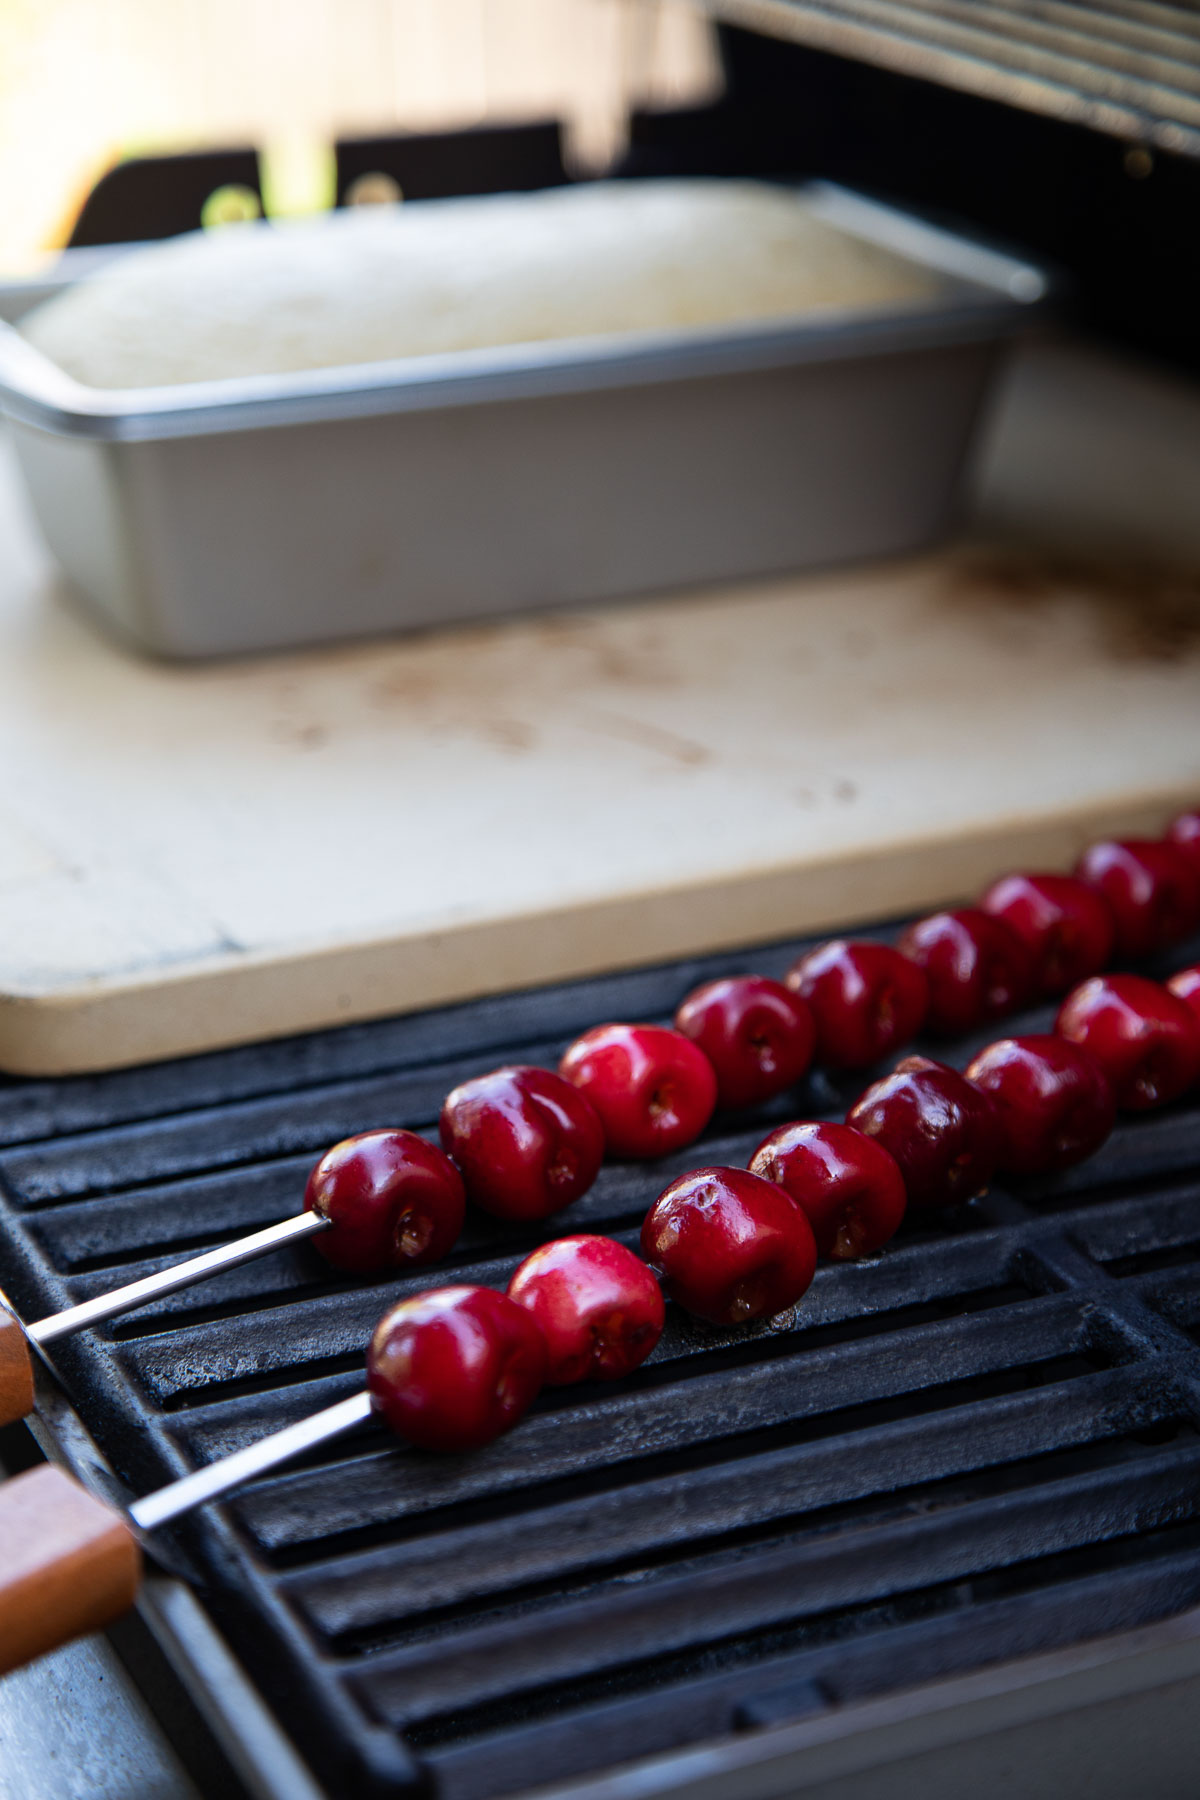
x=355, y=1594
x=789, y=1683
x=981, y=1443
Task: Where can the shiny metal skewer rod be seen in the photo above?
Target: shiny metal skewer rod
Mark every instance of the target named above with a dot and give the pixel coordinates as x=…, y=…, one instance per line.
x=179, y=1275
x=19, y=1342
x=231, y=1471
x=73, y=1562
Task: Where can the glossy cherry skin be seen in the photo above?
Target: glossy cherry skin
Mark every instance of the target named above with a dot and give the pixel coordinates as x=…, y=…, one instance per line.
x=1066, y=926
x=756, y=1033
x=729, y=1246
x=1054, y=1102
x=866, y=999
x=1152, y=888
x=1146, y=1039
x=597, y=1305
x=393, y=1202
x=452, y=1369
x=977, y=969
x=849, y=1188
x=653, y=1088
x=527, y=1142
x=1186, y=987
x=1184, y=833
x=942, y=1131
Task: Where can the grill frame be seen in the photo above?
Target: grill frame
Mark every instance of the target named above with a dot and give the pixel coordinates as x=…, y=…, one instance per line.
x=1133, y=1308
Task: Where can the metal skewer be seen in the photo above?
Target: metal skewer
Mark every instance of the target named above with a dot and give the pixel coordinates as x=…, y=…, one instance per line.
x=362, y=1193
x=231, y=1471
x=72, y=1563
x=69, y=1562
x=17, y=1339
x=179, y=1275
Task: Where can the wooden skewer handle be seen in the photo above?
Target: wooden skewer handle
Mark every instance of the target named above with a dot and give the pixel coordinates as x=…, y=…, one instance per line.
x=16, y=1370
x=69, y=1564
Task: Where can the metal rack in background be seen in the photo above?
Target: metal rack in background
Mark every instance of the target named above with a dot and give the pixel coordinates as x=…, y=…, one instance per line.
x=1130, y=68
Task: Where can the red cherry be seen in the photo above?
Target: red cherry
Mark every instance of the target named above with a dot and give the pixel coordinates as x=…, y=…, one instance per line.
x=866, y=998
x=1066, y=926
x=1054, y=1102
x=1152, y=888
x=943, y=1132
x=654, y=1089
x=976, y=967
x=527, y=1142
x=392, y=1201
x=850, y=1190
x=729, y=1246
x=1146, y=1039
x=1184, y=833
x=756, y=1033
x=597, y=1305
x=453, y=1368
x=1186, y=987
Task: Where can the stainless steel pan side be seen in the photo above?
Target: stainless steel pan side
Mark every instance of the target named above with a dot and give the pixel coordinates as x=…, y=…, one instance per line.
x=249, y=514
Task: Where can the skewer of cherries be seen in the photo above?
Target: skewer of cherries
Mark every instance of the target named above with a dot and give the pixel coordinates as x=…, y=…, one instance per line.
x=734, y=1245
x=451, y=1368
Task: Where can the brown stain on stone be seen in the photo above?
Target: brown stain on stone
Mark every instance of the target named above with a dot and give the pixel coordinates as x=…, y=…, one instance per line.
x=678, y=749
x=510, y=734
x=1141, y=611
x=301, y=734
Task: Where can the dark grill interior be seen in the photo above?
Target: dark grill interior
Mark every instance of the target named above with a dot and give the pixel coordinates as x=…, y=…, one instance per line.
x=980, y=1444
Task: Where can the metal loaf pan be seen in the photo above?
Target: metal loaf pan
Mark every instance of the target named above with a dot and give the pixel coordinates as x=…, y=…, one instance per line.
x=251, y=514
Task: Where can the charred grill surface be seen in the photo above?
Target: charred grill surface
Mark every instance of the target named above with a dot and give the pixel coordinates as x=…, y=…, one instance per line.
x=980, y=1444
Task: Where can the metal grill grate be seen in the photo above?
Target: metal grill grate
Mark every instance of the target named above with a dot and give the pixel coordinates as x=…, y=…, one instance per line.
x=980, y=1444
x=1130, y=68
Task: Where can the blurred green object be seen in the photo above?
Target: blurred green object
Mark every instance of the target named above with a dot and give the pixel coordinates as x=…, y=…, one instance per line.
x=232, y=204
